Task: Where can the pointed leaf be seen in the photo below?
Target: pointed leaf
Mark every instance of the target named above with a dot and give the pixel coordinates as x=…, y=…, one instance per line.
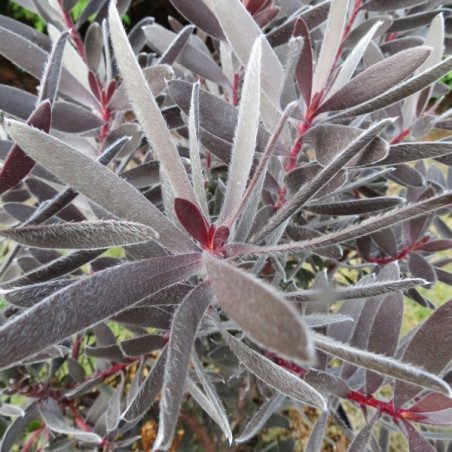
x=315, y=441
x=276, y=377
x=383, y=365
x=245, y=135
x=197, y=13
x=80, y=171
x=114, y=407
x=260, y=310
x=355, y=206
x=81, y=235
x=146, y=108
x=259, y=419
x=418, y=266
x=148, y=390
x=304, y=70
x=51, y=414
x=330, y=45
x=182, y=336
x=76, y=309
x=192, y=219
x=17, y=164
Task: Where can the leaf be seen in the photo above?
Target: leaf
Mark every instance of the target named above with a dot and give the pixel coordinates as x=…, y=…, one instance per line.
x=384, y=334
x=315, y=441
x=257, y=422
x=304, y=69
x=76, y=310
x=382, y=365
x=329, y=140
x=81, y=235
x=307, y=191
x=183, y=332
x=412, y=85
x=55, y=422
x=195, y=152
x=220, y=414
x=147, y=110
x=370, y=83
x=260, y=310
x=192, y=219
x=190, y=56
x=355, y=206
x=27, y=296
x=418, y=265
x=430, y=348
x=32, y=59
x=197, y=13
x=363, y=437
x=330, y=45
x=417, y=443
x=410, y=152
x=352, y=232
x=17, y=164
x=350, y=64
x=19, y=424
x=276, y=377
x=142, y=345
x=245, y=136
x=80, y=171
x=358, y=291
x=242, y=32
x=144, y=175
x=51, y=78
x=390, y=5
x=114, y=407
x=148, y=390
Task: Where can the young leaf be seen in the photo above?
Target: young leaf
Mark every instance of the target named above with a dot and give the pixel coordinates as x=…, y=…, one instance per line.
x=183, y=333
x=192, y=219
x=80, y=171
x=260, y=310
x=146, y=108
x=330, y=44
x=113, y=290
x=81, y=235
x=245, y=135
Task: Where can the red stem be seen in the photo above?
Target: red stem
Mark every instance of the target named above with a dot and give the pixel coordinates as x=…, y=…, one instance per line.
x=74, y=34
x=31, y=441
x=401, y=136
x=235, y=89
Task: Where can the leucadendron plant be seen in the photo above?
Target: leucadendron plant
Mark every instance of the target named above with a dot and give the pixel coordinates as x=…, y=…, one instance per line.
x=227, y=215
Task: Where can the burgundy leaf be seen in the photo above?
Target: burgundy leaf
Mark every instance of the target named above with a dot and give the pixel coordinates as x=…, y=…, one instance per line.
x=17, y=164
x=220, y=236
x=192, y=219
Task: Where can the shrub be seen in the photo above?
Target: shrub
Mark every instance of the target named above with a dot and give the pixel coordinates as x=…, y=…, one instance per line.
x=268, y=201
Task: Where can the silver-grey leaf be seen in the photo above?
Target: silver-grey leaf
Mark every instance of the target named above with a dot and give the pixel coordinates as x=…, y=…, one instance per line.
x=183, y=332
x=260, y=310
x=79, y=171
x=81, y=235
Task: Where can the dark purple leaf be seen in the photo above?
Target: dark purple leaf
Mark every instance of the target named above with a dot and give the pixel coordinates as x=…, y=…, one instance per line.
x=142, y=345
x=355, y=206
x=417, y=443
x=17, y=164
x=192, y=219
x=304, y=69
